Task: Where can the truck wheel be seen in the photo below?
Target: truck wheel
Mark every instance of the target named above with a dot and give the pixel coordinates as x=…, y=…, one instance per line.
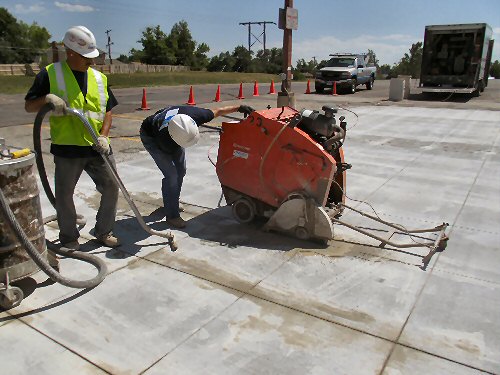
x=481, y=86
x=319, y=89
x=352, y=89
x=369, y=84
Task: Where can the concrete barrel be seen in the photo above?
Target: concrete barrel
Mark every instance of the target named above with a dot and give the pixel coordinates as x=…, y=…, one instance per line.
x=19, y=185
x=396, y=89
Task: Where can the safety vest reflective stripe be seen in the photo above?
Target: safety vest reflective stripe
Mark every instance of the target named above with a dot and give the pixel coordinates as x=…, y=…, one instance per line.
x=61, y=83
x=102, y=94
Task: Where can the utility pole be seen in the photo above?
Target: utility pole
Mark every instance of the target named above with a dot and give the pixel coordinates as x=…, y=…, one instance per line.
x=109, y=46
x=249, y=24
x=288, y=21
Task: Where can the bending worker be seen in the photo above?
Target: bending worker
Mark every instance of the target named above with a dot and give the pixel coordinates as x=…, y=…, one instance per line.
x=165, y=135
x=75, y=84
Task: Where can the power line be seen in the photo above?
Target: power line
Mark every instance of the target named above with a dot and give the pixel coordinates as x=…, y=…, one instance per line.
x=250, y=34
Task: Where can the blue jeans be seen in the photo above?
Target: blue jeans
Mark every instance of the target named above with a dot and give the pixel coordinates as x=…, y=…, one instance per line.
x=173, y=167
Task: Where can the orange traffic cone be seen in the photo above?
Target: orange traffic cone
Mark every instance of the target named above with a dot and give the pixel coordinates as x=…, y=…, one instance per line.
x=255, y=89
x=308, y=89
x=217, y=94
x=191, y=97
x=334, y=91
x=240, y=94
x=144, y=105
x=271, y=89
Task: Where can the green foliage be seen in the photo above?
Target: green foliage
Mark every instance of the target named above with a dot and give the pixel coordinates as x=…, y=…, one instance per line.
x=410, y=63
x=495, y=69
x=305, y=67
x=224, y=62
x=384, y=70
x=176, y=48
x=242, y=59
x=20, y=42
x=372, y=58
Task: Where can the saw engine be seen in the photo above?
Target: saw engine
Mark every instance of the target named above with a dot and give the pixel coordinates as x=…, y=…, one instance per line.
x=285, y=166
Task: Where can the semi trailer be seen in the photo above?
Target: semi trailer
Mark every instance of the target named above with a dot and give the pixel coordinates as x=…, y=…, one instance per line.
x=456, y=58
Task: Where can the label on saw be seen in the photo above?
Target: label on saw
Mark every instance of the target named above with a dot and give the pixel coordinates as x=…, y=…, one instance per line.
x=240, y=154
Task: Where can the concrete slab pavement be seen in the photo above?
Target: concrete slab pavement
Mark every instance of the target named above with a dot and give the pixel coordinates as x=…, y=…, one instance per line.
x=234, y=299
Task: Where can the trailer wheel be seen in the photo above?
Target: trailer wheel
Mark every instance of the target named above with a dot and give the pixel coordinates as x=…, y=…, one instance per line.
x=243, y=210
x=481, y=86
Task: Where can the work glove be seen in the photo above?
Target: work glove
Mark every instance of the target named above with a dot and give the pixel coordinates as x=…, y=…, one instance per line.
x=58, y=103
x=102, y=145
x=245, y=109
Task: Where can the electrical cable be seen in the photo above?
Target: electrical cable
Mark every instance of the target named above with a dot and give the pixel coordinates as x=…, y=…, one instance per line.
x=402, y=227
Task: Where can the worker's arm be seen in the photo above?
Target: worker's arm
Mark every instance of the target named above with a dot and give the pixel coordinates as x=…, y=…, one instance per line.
x=34, y=105
x=106, y=124
x=222, y=111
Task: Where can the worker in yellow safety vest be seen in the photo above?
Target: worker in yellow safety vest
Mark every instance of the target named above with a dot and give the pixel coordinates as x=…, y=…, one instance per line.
x=73, y=83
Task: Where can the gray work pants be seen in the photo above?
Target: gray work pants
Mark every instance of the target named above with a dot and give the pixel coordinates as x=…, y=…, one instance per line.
x=67, y=174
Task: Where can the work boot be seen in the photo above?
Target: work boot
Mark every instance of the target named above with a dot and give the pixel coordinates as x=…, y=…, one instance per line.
x=109, y=240
x=73, y=245
x=177, y=222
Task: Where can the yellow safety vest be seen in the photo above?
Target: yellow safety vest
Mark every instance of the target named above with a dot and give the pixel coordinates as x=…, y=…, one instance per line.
x=69, y=130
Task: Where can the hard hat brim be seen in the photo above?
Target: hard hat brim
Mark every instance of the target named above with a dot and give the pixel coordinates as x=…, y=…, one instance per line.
x=92, y=54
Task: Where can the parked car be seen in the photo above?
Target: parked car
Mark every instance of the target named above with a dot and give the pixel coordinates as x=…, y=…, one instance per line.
x=348, y=71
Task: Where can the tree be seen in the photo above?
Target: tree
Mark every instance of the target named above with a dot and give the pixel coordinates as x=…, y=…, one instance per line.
x=306, y=67
x=155, y=48
x=222, y=63
x=410, y=63
x=20, y=42
x=495, y=69
x=243, y=58
x=181, y=43
x=384, y=70
x=372, y=58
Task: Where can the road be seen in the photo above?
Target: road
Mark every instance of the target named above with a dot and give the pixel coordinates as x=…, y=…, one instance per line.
x=12, y=106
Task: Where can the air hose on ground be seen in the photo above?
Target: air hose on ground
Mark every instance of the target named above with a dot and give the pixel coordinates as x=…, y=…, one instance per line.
x=44, y=265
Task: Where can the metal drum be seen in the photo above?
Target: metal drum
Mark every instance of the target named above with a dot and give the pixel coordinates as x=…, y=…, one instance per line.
x=19, y=185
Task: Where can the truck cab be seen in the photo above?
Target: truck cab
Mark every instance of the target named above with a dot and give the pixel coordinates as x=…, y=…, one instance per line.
x=346, y=71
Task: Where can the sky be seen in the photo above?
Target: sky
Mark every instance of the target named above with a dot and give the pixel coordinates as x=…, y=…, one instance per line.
x=388, y=27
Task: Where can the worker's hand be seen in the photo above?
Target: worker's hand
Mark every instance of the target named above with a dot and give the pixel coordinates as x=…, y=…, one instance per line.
x=58, y=103
x=102, y=145
x=245, y=109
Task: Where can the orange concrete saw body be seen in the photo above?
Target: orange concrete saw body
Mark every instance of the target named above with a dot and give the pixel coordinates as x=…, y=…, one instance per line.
x=269, y=168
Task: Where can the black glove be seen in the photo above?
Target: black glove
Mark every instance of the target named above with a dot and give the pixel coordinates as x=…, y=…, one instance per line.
x=245, y=109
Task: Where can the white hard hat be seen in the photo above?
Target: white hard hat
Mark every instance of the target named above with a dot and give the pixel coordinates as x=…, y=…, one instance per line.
x=82, y=41
x=183, y=130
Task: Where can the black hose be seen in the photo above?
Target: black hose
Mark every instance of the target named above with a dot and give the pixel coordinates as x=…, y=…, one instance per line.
x=37, y=128
x=44, y=265
x=35, y=255
x=40, y=165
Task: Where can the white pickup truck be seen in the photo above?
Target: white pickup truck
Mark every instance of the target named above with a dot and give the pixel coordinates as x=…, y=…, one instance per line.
x=348, y=71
